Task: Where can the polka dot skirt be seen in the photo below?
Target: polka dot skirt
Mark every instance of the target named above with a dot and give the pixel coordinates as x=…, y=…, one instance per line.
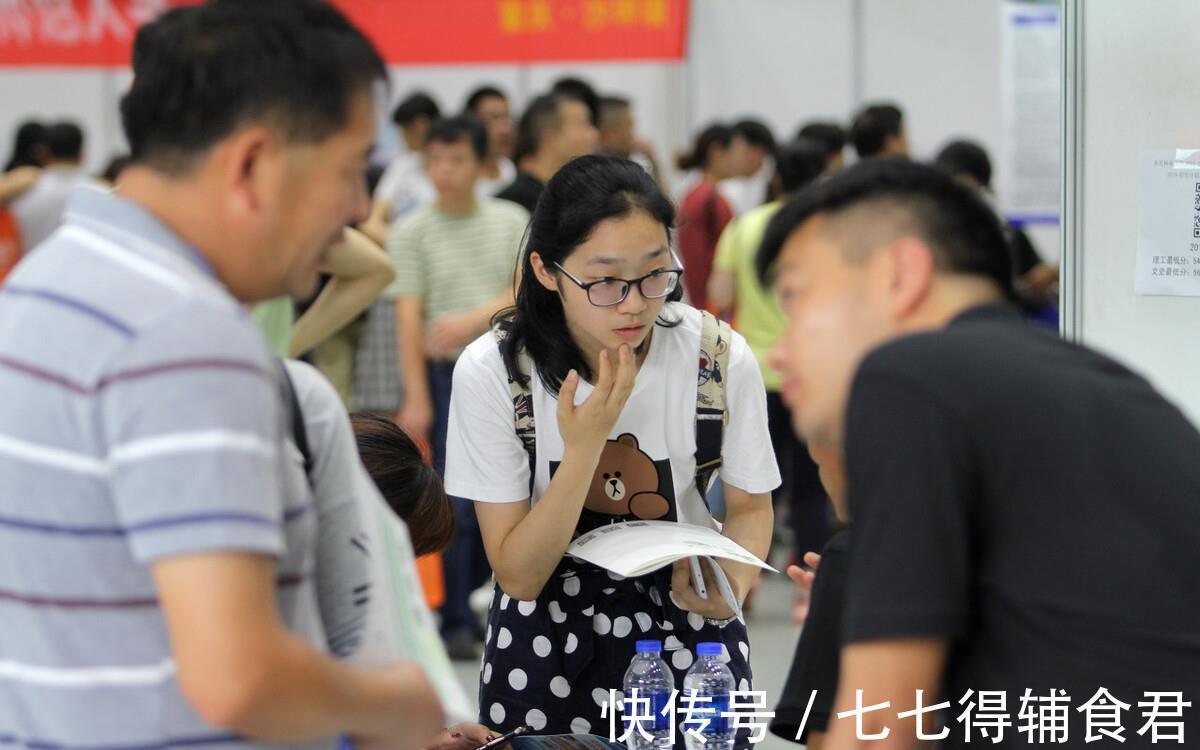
x=550, y=663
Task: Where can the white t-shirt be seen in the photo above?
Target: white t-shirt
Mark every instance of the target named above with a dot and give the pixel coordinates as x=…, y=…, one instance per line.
x=486, y=187
x=744, y=194
x=651, y=450
x=406, y=186
x=39, y=211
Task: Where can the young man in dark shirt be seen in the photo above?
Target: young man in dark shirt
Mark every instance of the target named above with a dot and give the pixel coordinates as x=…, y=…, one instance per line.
x=1025, y=509
x=555, y=129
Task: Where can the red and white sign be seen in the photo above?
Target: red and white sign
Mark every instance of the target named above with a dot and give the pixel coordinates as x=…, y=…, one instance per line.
x=407, y=32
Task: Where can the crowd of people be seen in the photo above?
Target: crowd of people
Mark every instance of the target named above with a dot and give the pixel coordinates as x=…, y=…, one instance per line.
x=518, y=331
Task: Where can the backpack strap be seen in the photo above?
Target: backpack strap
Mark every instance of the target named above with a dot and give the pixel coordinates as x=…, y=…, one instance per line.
x=522, y=399
x=711, y=414
x=295, y=420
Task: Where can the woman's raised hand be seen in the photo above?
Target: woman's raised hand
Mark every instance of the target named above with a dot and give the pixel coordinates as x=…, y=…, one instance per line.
x=588, y=424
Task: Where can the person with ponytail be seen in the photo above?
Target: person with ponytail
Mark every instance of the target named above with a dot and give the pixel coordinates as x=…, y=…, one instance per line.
x=579, y=410
x=704, y=212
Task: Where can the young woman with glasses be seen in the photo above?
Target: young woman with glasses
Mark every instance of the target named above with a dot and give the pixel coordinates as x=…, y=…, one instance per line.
x=609, y=360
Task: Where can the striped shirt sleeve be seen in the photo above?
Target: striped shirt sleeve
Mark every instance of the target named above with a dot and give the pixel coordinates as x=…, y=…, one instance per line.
x=405, y=251
x=192, y=417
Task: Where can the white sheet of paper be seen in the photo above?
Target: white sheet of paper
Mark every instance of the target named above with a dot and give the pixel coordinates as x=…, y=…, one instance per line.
x=1030, y=78
x=1168, y=247
x=635, y=548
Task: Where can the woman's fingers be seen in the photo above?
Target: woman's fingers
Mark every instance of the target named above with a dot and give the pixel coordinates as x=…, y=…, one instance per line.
x=623, y=384
x=566, y=395
x=604, y=379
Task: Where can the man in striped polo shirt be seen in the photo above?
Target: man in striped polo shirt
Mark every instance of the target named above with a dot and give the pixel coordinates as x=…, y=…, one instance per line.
x=156, y=539
x=455, y=263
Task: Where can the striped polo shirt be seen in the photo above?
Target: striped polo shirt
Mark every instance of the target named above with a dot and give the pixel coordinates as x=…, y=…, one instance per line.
x=456, y=262
x=141, y=418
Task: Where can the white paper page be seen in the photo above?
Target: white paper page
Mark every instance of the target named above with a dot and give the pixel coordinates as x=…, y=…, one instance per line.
x=638, y=547
x=1168, y=249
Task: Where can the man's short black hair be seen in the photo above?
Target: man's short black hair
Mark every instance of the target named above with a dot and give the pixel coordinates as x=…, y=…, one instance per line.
x=798, y=163
x=577, y=88
x=64, y=141
x=959, y=158
x=960, y=228
x=540, y=116
x=202, y=71
x=416, y=104
x=465, y=127
x=873, y=126
x=481, y=93
x=610, y=105
x=831, y=134
x=756, y=133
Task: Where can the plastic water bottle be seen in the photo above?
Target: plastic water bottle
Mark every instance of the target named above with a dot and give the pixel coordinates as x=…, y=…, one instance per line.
x=652, y=679
x=708, y=678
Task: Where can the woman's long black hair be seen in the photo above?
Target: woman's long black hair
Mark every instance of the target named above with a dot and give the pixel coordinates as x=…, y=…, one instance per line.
x=585, y=192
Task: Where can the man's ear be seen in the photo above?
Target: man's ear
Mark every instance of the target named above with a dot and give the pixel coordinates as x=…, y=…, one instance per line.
x=910, y=270
x=252, y=167
x=545, y=276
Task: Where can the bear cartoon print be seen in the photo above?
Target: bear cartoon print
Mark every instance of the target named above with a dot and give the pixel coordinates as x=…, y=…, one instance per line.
x=628, y=485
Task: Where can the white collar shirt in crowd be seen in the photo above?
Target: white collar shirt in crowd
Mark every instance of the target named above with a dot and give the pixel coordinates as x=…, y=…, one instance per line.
x=405, y=185
x=39, y=211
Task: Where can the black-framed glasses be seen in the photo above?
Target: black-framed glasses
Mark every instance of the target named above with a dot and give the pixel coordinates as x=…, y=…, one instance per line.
x=609, y=291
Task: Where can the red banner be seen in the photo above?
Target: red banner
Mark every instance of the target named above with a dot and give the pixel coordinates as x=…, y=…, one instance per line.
x=408, y=32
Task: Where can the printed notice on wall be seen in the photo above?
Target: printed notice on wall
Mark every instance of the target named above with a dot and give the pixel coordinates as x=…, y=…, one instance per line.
x=1030, y=84
x=1168, y=249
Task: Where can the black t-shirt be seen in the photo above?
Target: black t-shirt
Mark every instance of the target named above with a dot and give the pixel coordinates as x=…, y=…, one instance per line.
x=1033, y=502
x=1024, y=257
x=524, y=191
x=815, y=665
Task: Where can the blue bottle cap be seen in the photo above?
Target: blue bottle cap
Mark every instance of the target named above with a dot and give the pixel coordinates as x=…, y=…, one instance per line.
x=708, y=649
x=653, y=647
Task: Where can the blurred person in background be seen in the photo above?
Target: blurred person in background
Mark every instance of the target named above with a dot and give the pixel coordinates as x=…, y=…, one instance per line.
x=754, y=167
x=454, y=260
x=1036, y=281
x=704, y=212
x=29, y=146
x=39, y=210
x=21, y=172
x=618, y=135
x=833, y=137
x=877, y=132
x=404, y=185
x=735, y=290
x=491, y=107
x=554, y=129
x=577, y=88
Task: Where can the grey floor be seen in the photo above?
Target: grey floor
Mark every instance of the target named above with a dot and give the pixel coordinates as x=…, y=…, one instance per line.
x=772, y=641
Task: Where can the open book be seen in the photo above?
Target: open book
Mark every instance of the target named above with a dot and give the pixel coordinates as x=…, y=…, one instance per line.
x=635, y=548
